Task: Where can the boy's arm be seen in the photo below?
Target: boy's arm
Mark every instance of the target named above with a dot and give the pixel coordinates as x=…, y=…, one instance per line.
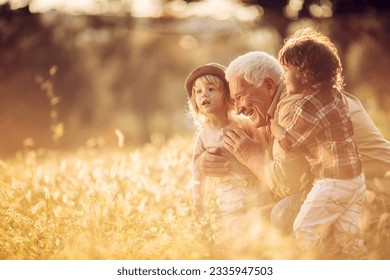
x=283, y=173
x=304, y=127
x=286, y=173
x=276, y=129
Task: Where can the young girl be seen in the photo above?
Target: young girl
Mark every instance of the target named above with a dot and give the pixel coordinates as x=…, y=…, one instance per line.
x=321, y=128
x=213, y=112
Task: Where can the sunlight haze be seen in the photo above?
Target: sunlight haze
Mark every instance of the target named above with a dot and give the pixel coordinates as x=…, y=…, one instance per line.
x=218, y=9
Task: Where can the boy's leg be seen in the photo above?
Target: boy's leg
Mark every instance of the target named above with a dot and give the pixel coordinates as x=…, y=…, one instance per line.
x=323, y=206
x=347, y=228
x=285, y=211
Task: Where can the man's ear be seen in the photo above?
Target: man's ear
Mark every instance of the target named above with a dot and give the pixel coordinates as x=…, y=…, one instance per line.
x=271, y=86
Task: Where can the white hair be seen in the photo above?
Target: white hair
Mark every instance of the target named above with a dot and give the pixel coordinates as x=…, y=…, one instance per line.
x=254, y=67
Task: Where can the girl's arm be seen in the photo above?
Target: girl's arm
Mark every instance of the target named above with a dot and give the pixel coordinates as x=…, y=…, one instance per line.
x=198, y=179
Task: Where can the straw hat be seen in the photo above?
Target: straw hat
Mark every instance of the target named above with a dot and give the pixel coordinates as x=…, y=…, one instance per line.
x=207, y=69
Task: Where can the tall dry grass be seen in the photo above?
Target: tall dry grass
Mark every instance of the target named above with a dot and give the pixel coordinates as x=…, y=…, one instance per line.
x=125, y=204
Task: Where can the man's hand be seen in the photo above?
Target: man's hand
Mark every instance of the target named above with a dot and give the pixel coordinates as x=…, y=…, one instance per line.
x=213, y=163
x=243, y=147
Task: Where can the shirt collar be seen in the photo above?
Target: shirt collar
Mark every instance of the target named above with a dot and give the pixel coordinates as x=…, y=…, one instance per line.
x=280, y=92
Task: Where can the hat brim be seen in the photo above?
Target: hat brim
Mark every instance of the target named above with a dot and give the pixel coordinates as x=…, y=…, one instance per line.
x=208, y=69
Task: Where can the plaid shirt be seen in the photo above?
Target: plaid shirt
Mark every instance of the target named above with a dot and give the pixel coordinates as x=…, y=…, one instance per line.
x=322, y=128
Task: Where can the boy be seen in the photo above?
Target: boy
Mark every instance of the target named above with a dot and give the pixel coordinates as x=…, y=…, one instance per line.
x=321, y=128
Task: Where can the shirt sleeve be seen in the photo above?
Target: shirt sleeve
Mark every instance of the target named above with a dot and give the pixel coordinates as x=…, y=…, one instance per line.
x=372, y=145
x=305, y=125
x=286, y=173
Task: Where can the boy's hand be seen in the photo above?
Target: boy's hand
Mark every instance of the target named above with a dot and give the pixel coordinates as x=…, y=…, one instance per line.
x=275, y=128
x=273, y=125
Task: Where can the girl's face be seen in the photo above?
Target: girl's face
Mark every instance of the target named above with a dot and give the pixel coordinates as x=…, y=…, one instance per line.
x=293, y=79
x=210, y=99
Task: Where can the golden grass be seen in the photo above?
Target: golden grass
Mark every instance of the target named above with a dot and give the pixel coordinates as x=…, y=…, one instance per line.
x=125, y=204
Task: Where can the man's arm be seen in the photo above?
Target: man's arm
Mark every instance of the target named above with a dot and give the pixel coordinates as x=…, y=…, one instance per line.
x=372, y=145
x=287, y=173
x=284, y=173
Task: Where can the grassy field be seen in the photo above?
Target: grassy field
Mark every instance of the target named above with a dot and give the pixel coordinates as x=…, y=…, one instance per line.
x=125, y=204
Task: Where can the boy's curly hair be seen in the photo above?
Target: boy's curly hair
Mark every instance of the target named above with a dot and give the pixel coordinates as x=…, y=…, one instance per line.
x=315, y=56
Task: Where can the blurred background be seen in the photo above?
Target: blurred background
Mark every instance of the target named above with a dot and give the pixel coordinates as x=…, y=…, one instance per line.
x=111, y=72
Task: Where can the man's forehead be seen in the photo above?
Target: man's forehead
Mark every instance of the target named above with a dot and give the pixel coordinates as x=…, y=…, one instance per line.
x=238, y=85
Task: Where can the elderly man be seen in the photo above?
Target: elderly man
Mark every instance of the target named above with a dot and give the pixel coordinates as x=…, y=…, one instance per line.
x=258, y=91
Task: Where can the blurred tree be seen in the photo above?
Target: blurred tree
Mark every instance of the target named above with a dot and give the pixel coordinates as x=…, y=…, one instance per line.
x=29, y=48
x=339, y=6
x=126, y=73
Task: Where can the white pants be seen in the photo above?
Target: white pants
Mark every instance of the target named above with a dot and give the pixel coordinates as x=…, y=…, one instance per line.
x=331, y=205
